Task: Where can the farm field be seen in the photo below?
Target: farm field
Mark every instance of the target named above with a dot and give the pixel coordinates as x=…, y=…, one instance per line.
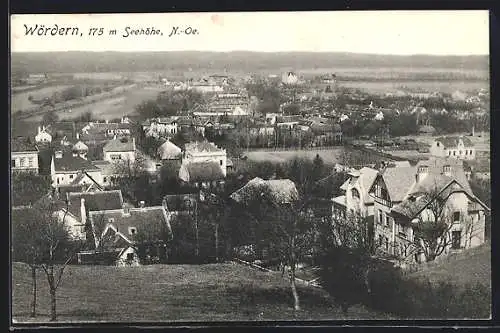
x=110, y=108
x=212, y=292
x=19, y=101
x=444, y=86
x=329, y=156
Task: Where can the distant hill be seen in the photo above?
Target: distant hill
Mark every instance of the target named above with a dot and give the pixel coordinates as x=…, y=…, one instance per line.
x=73, y=61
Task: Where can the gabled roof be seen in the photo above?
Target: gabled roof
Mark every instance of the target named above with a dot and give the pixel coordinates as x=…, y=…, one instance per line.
x=169, y=150
x=120, y=145
x=94, y=201
x=151, y=223
x=283, y=190
x=398, y=181
x=80, y=146
x=201, y=146
x=452, y=141
x=204, y=171
x=68, y=162
x=22, y=145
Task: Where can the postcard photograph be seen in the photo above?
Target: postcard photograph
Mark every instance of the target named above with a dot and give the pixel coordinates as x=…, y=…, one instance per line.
x=250, y=166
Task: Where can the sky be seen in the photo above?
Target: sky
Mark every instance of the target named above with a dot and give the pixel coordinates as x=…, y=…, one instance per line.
x=375, y=32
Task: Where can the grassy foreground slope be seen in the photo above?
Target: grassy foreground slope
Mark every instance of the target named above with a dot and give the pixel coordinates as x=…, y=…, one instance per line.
x=214, y=292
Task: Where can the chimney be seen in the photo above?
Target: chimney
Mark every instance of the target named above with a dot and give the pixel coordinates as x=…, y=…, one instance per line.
x=78, y=136
x=447, y=170
x=83, y=212
x=58, y=154
x=142, y=204
x=126, y=209
x=106, y=121
x=39, y=129
x=133, y=143
x=422, y=172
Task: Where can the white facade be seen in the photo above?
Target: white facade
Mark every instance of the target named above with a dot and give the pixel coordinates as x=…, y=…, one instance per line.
x=43, y=136
x=195, y=154
x=118, y=156
x=24, y=161
x=460, y=151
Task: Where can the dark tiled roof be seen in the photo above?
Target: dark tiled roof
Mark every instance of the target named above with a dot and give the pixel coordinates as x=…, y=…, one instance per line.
x=398, y=181
x=68, y=162
x=22, y=145
x=150, y=222
x=120, y=145
x=204, y=171
x=452, y=141
x=95, y=201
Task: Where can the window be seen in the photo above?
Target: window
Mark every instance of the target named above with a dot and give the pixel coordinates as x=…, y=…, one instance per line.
x=380, y=217
x=132, y=230
x=466, y=152
x=111, y=220
x=437, y=144
x=105, y=179
x=130, y=256
x=30, y=162
x=22, y=162
x=70, y=176
x=220, y=162
x=454, y=152
x=449, y=152
x=456, y=217
x=460, y=152
x=13, y=163
x=355, y=193
x=456, y=237
x=383, y=193
x=386, y=244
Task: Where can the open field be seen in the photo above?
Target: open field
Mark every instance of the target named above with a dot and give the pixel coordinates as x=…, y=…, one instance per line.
x=213, y=292
x=472, y=266
x=481, y=143
x=444, y=86
x=19, y=101
x=329, y=156
x=120, y=104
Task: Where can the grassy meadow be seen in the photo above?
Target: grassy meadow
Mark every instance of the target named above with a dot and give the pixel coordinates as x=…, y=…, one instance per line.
x=212, y=292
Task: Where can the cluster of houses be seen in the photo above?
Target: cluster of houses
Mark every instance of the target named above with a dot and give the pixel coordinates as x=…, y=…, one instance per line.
x=84, y=164
x=395, y=198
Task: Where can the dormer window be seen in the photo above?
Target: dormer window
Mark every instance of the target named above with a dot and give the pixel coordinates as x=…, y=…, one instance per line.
x=447, y=169
x=132, y=231
x=111, y=220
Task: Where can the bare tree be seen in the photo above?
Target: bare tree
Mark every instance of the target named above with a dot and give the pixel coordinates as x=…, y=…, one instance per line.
x=432, y=232
x=57, y=248
x=285, y=228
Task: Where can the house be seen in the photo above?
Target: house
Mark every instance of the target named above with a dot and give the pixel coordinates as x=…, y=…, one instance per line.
x=405, y=196
x=66, y=168
x=62, y=130
x=43, y=135
x=459, y=147
x=108, y=172
x=120, y=149
x=205, y=151
x=80, y=149
x=78, y=206
x=205, y=175
x=158, y=127
x=169, y=151
x=356, y=198
x=282, y=190
x=289, y=78
x=129, y=236
x=100, y=132
x=23, y=156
